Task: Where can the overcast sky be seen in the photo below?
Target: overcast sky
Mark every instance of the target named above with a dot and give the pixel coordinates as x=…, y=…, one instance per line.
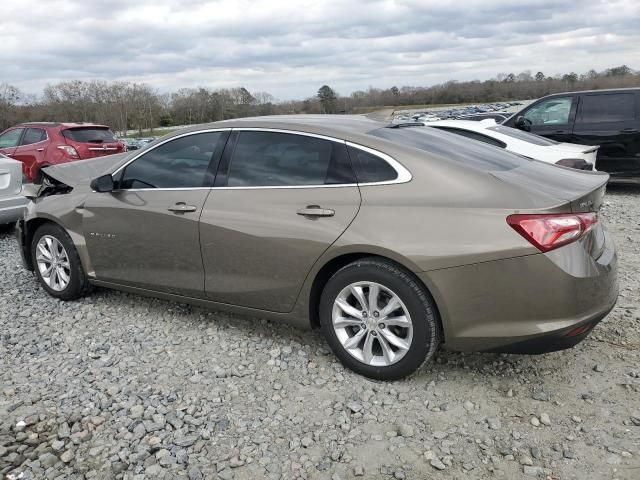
x=291, y=48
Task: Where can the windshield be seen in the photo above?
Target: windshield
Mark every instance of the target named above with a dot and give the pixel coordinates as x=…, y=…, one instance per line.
x=524, y=136
x=453, y=147
x=89, y=134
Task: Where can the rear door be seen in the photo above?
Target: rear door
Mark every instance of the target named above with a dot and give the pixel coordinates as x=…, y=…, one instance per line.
x=145, y=233
x=92, y=141
x=32, y=150
x=281, y=199
x=9, y=141
x=611, y=120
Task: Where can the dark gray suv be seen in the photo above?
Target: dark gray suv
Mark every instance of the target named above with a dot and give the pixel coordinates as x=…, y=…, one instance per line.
x=609, y=118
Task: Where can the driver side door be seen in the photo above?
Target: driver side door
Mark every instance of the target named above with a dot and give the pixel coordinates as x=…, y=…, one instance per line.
x=145, y=233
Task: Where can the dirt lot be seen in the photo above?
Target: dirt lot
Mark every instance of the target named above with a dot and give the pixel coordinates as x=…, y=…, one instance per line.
x=119, y=386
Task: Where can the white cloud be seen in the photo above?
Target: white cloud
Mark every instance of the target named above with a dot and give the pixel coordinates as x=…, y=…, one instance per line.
x=290, y=49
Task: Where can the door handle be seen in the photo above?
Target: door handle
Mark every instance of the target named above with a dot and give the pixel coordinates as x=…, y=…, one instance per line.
x=629, y=130
x=316, y=211
x=181, y=207
x=561, y=132
x=40, y=150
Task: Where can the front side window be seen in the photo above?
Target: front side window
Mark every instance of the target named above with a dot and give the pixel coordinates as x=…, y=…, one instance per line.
x=11, y=138
x=180, y=163
x=554, y=111
x=604, y=108
x=33, y=135
x=263, y=159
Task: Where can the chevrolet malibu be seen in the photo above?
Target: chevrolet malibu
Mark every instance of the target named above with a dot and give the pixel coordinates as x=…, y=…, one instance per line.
x=394, y=240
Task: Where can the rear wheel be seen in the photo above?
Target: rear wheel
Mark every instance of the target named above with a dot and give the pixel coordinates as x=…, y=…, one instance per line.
x=57, y=264
x=378, y=319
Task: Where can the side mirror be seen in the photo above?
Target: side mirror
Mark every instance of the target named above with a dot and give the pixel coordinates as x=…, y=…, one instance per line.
x=102, y=184
x=522, y=123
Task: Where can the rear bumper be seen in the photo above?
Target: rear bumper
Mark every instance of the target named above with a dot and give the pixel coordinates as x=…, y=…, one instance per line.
x=12, y=208
x=528, y=304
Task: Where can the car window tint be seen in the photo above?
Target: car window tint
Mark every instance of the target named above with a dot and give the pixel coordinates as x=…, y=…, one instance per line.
x=371, y=168
x=553, y=111
x=473, y=135
x=284, y=159
x=89, y=135
x=613, y=107
x=446, y=147
x=524, y=136
x=10, y=138
x=33, y=135
x=180, y=163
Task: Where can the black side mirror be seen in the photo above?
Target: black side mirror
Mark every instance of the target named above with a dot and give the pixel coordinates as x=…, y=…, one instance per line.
x=103, y=184
x=523, y=123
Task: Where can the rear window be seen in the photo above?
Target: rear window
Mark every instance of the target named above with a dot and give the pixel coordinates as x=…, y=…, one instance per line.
x=524, y=136
x=89, y=135
x=452, y=147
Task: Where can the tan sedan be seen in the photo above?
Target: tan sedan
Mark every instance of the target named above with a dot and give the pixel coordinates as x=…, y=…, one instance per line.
x=392, y=239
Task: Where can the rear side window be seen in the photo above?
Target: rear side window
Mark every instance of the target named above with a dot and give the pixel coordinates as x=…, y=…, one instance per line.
x=371, y=168
x=10, y=138
x=34, y=135
x=89, y=135
x=604, y=108
x=180, y=163
x=474, y=135
x=442, y=146
x=263, y=159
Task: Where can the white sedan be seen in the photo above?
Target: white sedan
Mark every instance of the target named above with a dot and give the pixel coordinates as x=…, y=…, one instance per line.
x=582, y=157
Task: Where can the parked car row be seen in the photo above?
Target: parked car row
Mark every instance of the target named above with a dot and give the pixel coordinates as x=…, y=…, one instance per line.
x=493, y=111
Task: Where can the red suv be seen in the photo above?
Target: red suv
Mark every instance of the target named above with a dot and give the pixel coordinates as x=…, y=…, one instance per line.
x=41, y=144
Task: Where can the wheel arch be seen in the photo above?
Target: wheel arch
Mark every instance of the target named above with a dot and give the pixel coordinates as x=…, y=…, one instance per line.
x=334, y=264
x=30, y=227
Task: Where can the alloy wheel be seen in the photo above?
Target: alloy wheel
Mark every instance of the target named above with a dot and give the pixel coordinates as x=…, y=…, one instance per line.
x=372, y=323
x=53, y=263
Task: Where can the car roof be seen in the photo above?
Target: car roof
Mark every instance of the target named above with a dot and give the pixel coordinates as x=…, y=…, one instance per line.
x=61, y=124
x=346, y=127
x=603, y=90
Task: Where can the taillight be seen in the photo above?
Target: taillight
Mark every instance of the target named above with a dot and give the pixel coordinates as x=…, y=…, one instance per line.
x=549, y=231
x=69, y=151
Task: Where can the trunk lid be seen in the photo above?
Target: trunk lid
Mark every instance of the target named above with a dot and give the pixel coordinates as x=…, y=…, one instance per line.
x=564, y=190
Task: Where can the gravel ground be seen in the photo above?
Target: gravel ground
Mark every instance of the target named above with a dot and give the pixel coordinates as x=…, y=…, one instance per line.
x=120, y=386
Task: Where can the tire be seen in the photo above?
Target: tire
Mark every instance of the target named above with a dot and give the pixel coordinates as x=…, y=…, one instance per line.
x=77, y=284
x=420, y=339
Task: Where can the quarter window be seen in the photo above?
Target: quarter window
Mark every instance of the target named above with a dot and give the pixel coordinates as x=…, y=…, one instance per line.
x=180, y=163
x=10, y=138
x=33, y=135
x=371, y=168
x=553, y=111
x=264, y=158
x=603, y=108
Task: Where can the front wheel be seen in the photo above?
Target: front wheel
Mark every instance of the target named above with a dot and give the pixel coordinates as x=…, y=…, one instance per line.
x=378, y=319
x=57, y=264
